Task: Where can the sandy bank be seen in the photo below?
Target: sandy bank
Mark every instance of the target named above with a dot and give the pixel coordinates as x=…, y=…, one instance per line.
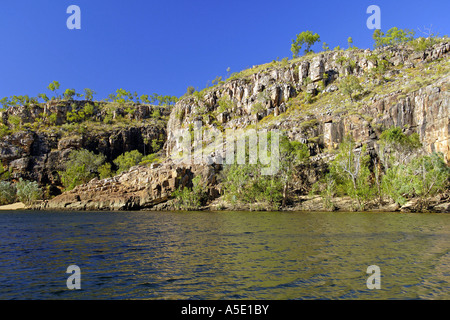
x=14, y=206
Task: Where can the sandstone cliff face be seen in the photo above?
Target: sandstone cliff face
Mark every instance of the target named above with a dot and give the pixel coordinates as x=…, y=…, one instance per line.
x=39, y=153
x=425, y=110
x=263, y=92
x=139, y=188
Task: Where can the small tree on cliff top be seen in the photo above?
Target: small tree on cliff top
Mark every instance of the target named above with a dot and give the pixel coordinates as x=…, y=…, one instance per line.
x=307, y=39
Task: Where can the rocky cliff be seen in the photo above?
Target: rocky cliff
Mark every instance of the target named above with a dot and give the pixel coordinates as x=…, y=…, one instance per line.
x=38, y=150
x=414, y=96
x=302, y=97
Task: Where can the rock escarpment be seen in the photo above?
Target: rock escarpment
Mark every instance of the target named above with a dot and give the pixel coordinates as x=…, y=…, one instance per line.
x=267, y=92
x=39, y=152
x=303, y=98
x=140, y=188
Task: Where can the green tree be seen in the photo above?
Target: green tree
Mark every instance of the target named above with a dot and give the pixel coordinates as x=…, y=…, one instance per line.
x=7, y=193
x=127, y=160
x=190, y=90
x=392, y=37
x=292, y=153
x=105, y=171
x=28, y=191
x=44, y=97
x=189, y=199
x=4, y=102
x=246, y=183
x=54, y=86
x=307, y=39
x=350, y=170
x=81, y=167
x=350, y=85
x=144, y=99
x=422, y=177
x=350, y=42
x=397, y=148
x=156, y=145
x=123, y=96
x=89, y=94
x=69, y=94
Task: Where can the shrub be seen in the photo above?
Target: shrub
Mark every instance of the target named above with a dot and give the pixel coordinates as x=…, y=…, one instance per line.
x=15, y=122
x=422, y=43
x=7, y=193
x=82, y=167
x=4, y=172
x=190, y=198
x=156, y=145
x=393, y=36
x=149, y=159
x=156, y=114
x=351, y=173
x=423, y=177
x=88, y=109
x=350, y=85
x=4, y=131
x=246, y=183
x=127, y=160
x=105, y=171
x=52, y=118
x=28, y=191
x=225, y=104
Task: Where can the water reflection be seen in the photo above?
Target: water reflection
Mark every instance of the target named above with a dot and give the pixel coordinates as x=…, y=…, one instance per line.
x=200, y=255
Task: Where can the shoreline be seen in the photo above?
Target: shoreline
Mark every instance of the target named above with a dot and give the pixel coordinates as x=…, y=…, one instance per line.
x=304, y=204
x=14, y=206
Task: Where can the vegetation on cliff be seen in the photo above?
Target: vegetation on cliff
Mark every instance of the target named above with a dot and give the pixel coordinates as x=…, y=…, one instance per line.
x=335, y=109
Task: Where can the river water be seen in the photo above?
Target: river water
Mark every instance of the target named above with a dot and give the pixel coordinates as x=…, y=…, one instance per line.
x=227, y=255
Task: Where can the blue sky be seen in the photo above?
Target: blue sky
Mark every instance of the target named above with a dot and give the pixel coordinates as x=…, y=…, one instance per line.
x=165, y=46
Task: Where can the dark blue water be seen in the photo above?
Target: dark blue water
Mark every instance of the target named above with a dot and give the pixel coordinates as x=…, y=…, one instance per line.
x=145, y=255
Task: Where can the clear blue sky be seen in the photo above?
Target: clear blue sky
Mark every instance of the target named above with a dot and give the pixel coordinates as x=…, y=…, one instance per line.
x=165, y=46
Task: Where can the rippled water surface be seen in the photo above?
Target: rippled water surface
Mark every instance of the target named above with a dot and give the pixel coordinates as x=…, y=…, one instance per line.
x=146, y=255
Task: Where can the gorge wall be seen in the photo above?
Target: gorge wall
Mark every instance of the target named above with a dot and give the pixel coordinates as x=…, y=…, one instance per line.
x=271, y=96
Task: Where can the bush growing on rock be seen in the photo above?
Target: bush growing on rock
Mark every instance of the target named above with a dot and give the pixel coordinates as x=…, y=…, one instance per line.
x=149, y=159
x=82, y=167
x=393, y=36
x=350, y=85
x=105, y=171
x=127, y=160
x=190, y=198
